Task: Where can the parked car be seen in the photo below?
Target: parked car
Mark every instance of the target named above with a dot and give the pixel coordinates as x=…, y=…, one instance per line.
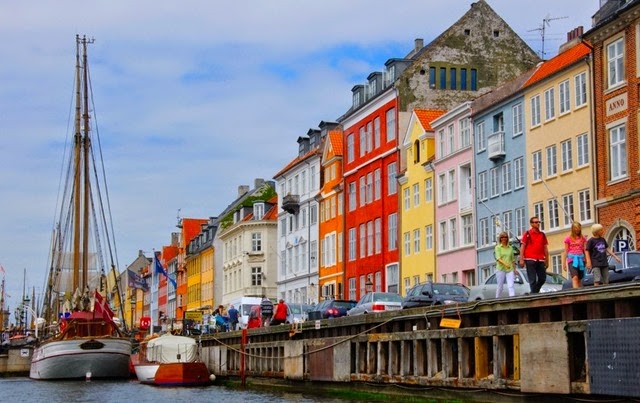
x=298, y=313
x=628, y=270
x=331, y=308
x=373, y=302
x=429, y=293
x=521, y=284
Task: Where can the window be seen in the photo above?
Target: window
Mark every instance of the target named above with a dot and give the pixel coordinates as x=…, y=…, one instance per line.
x=474, y=80
x=370, y=238
x=617, y=152
x=363, y=240
x=535, y=110
x=615, y=62
x=567, y=155
x=442, y=186
x=582, y=142
x=506, y=177
x=376, y=132
x=407, y=199
x=442, y=245
x=481, y=140
x=393, y=278
x=378, y=234
x=442, y=144
x=452, y=186
x=391, y=124
x=565, y=97
x=463, y=79
x=362, y=285
x=352, y=288
x=352, y=196
x=482, y=186
x=443, y=78
x=256, y=242
x=549, y=104
x=392, y=236
x=369, y=135
x=518, y=173
x=483, y=235
x=377, y=184
x=416, y=194
x=507, y=221
x=392, y=185
x=339, y=246
x=567, y=209
x=554, y=219
x=369, y=187
x=407, y=243
x=465, y=133
x=428, y=190
x=432, y=77
x=416, y=280
x=467, y=229
x=538, y=211
x=451, y=139
x=256, y=276
x=495, y=182
x=537, y=165
x=416, y=241
x=363, y=192
x=454, y=78
x=453, y=233
x=428, y=237
x=352, y=244
x=362, y=142
x=517, y=119
x=520, y=221
x=584, y=201
x=581, y=89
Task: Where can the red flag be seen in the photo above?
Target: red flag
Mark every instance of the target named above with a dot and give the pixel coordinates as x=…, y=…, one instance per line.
x=101, y=307
x=2, y=269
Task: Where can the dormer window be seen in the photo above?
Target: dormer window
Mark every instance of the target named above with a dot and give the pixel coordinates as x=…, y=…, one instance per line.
x=258, y=211
x=391, y=73
x=356, y=99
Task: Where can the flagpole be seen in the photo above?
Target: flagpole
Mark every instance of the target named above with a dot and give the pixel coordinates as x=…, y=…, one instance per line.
x=153, y=291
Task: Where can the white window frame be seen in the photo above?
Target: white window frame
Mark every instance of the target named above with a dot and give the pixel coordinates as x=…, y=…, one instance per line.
x=535, y=110
x=518, y=173
x=495, y=182
x=506, y=177
x=567, y=155
x=428, y=237
x=584, y=204
x=552, y=160
x=582, y=145
x=615, y=63
x=549, y=104
x=481, y=139
x=567, y=209
x=554, y=216
x=564, y=93
x=428, y=190
x=517, y=119
x=618, y=156
x=580, y=81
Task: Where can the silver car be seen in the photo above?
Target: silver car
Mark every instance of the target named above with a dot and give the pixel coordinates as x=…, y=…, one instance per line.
x=521, y=284
x=373, y=302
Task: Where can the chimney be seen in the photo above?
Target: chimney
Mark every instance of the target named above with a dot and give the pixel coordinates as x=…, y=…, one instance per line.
x=242, y=190
x=419, y=44
x=573, y=37
x=258, y=182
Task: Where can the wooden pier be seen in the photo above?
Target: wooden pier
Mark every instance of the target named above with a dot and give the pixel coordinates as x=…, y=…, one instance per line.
x=574, y=342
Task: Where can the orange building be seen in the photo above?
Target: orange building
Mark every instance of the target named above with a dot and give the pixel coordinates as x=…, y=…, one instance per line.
x=190, y=227
x=331, y=236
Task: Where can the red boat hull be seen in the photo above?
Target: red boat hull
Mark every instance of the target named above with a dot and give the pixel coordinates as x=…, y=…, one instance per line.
x=182, y=374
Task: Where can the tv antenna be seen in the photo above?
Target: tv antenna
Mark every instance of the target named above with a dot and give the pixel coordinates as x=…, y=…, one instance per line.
x=545, y=22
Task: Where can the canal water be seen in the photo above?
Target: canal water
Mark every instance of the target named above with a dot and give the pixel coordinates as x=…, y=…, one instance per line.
x=19, y=390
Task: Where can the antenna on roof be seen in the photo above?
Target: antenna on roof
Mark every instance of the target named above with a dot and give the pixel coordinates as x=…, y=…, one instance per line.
x=542, y=29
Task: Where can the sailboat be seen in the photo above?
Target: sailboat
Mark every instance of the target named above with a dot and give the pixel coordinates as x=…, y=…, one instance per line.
x=82, y=337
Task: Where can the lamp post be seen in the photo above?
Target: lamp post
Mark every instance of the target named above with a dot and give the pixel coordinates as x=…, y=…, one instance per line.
x=368, y=285
x=133, y=309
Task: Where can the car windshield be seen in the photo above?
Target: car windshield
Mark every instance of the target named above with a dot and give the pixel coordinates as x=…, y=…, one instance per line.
x=449, y=289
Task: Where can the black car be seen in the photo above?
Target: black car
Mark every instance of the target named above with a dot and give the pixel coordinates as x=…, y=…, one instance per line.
x=429, y=293
x=331, y=308
x=628, y=270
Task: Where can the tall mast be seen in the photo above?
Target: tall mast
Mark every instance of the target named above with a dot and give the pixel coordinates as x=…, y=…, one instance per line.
x=87, y=189
x=77, y=184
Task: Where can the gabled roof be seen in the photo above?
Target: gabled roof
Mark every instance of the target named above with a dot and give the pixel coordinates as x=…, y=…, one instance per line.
x=335, y=140
x=191, y=228
x=501, y=93
x=426, y=116
x=559, y=62
x=269, y=215
x=296, y=161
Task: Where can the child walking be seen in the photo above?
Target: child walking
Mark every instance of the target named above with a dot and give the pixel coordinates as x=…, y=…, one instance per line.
x=596, y=253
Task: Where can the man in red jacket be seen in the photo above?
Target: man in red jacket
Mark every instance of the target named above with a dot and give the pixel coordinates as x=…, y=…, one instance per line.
x=280, y=313
x=535, y=254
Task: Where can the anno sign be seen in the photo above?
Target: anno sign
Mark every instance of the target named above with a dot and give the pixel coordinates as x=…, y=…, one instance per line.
x=617, y=104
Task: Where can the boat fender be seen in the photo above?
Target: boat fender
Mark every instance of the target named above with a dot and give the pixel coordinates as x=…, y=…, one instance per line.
x=212, y=377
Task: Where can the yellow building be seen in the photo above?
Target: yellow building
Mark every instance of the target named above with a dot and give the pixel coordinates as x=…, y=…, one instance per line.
x=194, y=281
x=416, y=203
x=559, y=146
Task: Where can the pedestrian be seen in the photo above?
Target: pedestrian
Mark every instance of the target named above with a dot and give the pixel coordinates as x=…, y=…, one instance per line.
x=280, y=313
x=266, y=310
x=534, y=253
x=505, y=265
x=233, y=317
x=596, y=253
x=573, y=259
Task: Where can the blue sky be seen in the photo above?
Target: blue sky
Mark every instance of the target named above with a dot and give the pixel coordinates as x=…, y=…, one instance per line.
x=194, y=99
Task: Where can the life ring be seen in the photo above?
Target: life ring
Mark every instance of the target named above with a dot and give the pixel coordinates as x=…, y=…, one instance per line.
x=145, y=322
x=63, y=325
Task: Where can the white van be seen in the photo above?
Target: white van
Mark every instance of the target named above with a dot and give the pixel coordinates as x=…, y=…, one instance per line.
x=243, y=305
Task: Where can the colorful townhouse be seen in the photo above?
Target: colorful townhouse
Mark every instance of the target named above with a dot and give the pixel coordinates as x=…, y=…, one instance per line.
x=167, y=290
x=189, y=228
x=558, y=145
x=499, y=169
x=298, y=184
x=331, y=226
x=249, y=239
x=200, y=267
x=454, y=202
x=417, y=225
x=616, y=68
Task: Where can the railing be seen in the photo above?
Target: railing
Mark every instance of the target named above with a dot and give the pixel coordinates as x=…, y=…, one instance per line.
x=495, y=145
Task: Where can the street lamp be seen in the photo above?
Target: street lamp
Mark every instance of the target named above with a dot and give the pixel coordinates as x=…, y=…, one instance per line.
x=133, y=309
x=368, y=285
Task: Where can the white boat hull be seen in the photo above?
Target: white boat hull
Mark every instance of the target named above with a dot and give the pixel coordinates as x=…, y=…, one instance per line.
x=66, y=359
x=146, y=372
